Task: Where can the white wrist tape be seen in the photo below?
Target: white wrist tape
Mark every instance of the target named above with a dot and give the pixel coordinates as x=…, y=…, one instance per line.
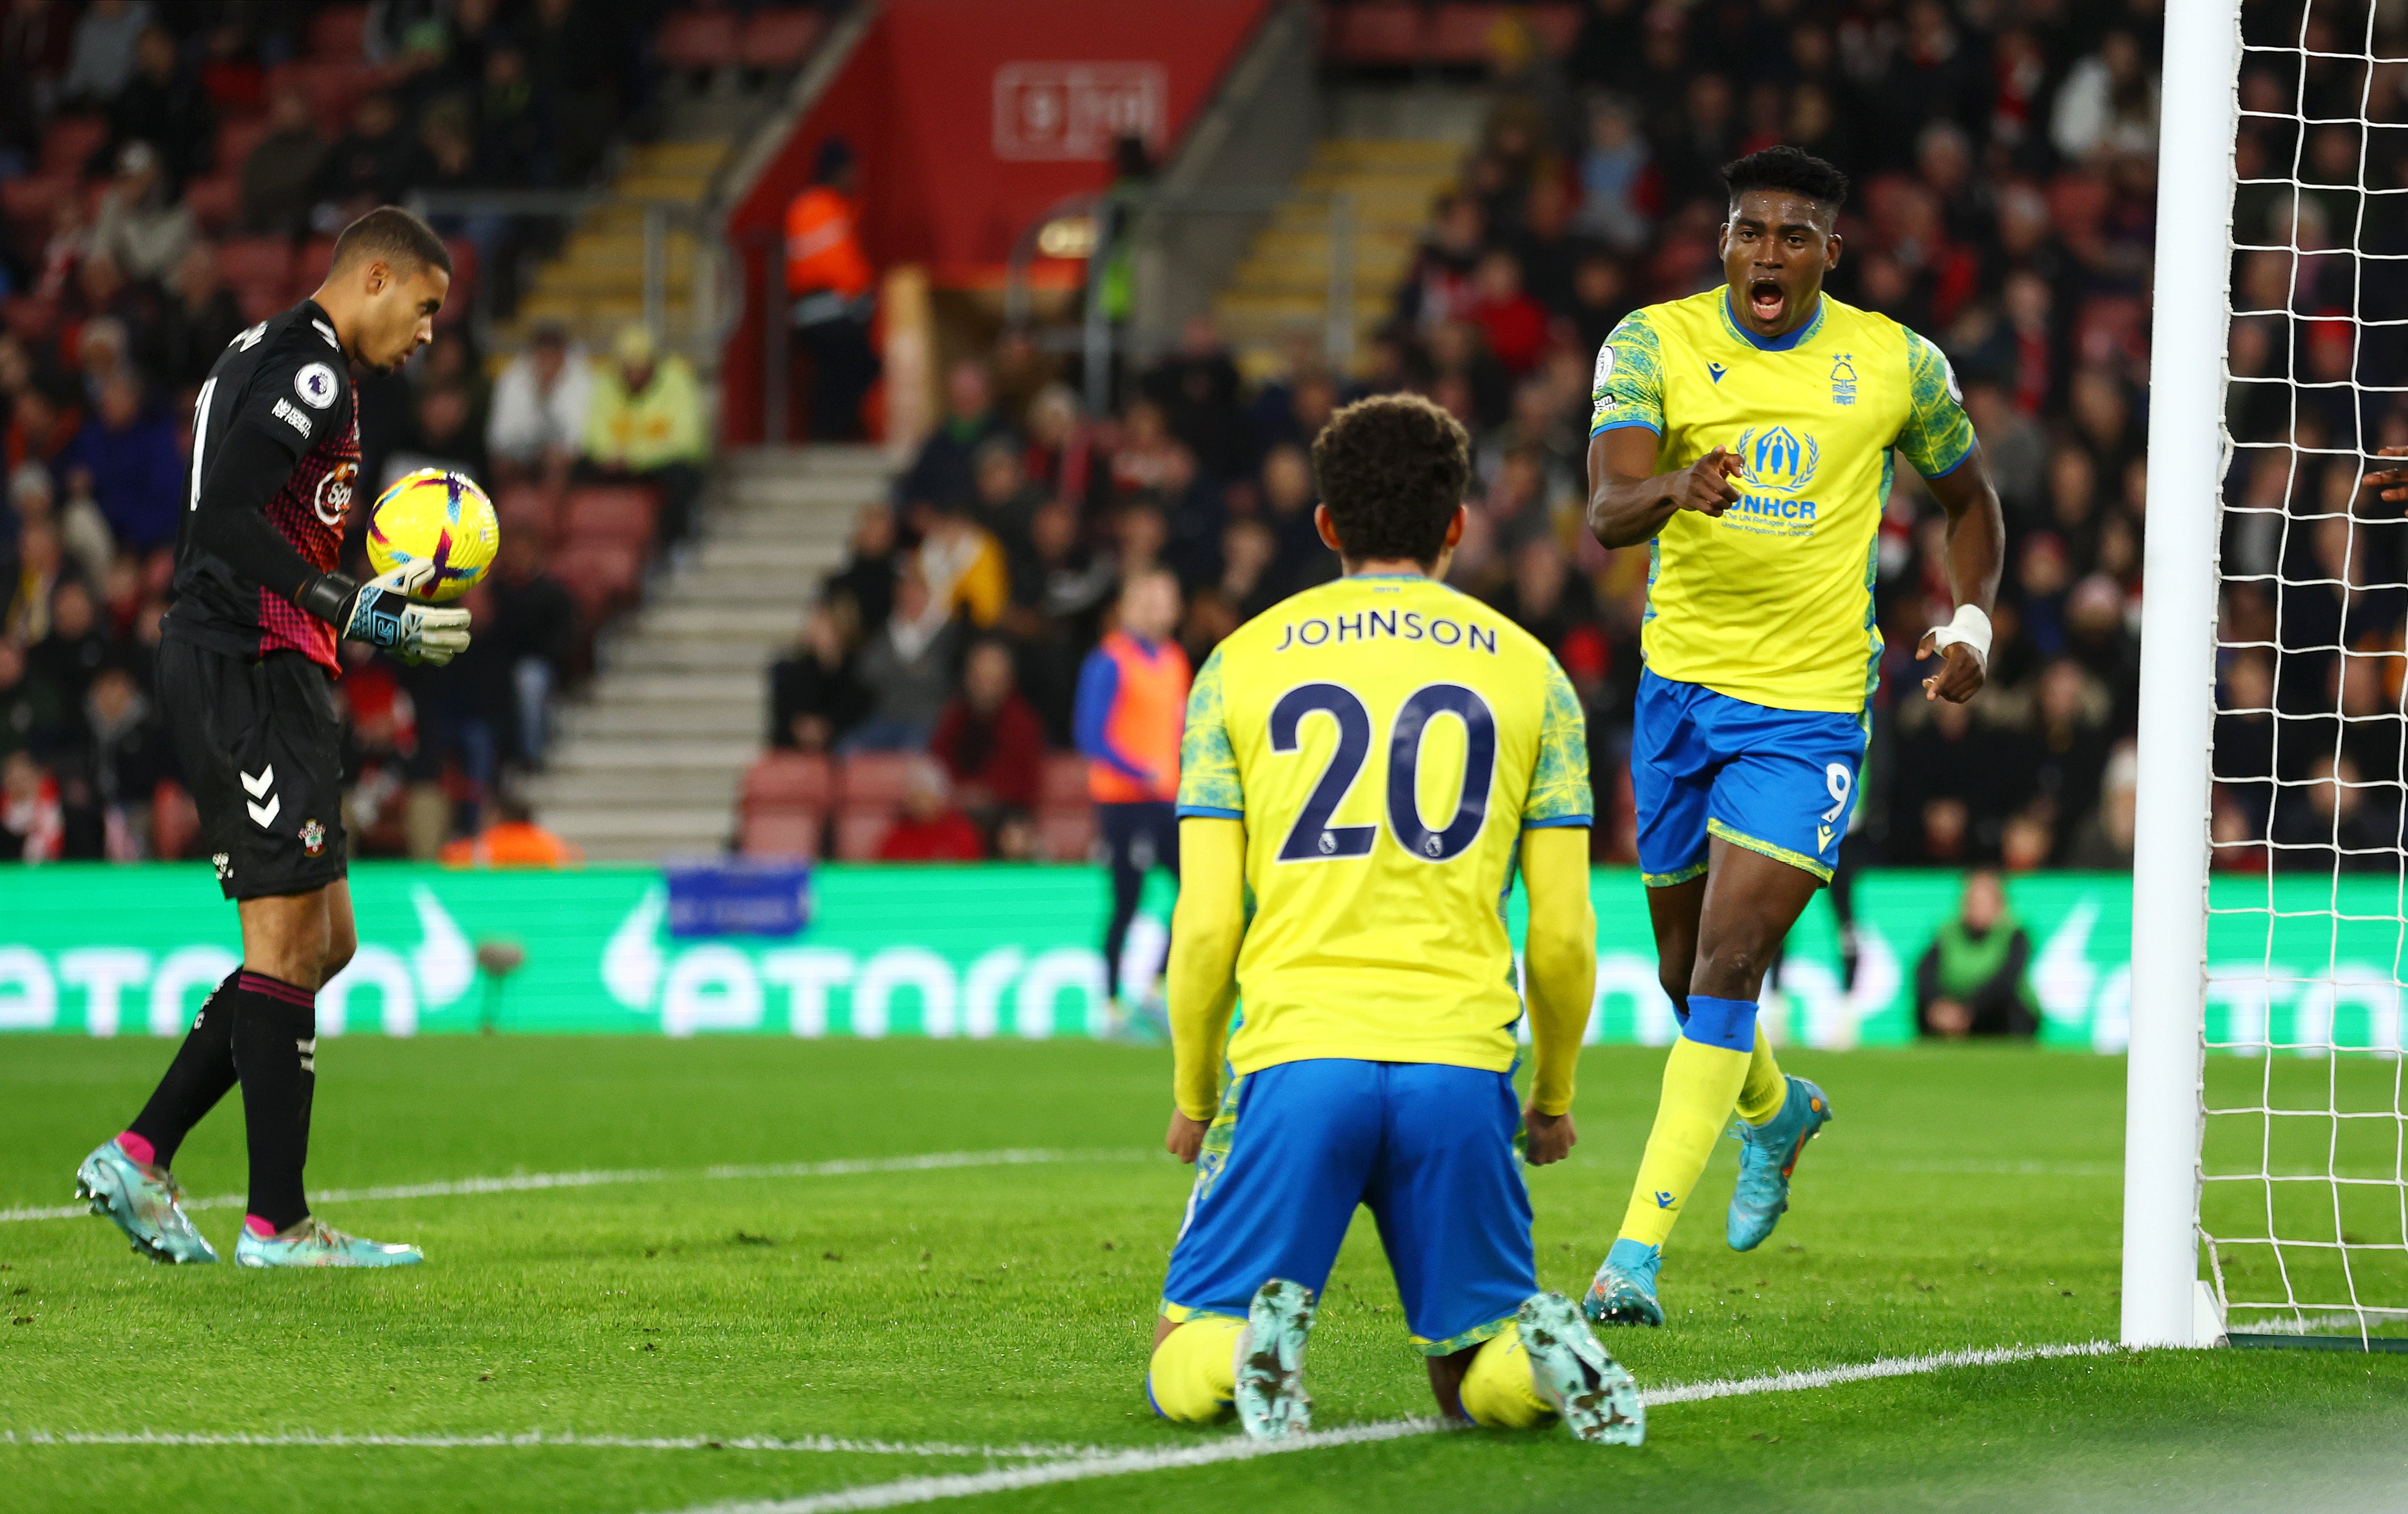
x=1970, y=627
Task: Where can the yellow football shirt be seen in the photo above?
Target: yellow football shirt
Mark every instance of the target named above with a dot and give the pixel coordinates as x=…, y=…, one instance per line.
x=1772, y=601
x=1385, y=739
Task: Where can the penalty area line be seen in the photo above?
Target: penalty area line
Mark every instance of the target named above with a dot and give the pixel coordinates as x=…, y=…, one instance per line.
x=536, y=1182
x=925, y=1490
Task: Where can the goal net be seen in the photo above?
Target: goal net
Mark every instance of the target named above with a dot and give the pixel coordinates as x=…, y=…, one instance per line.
x=2277, y=952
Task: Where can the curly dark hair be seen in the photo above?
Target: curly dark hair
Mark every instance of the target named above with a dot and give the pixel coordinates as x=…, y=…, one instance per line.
x=1392, y=469
x=1787, y=168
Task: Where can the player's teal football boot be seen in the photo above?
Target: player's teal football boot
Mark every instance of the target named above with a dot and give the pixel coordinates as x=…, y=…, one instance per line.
x=1623, y=1291
x=1270, y=1398
x=1767, y=1155
x=320, y=1245
x=1597, y=1396
x=144, y=1203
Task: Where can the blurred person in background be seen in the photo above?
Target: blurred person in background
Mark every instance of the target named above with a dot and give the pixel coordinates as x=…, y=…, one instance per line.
x=815, y=698
x=83, y=532
x=532, y=627
x=33, y=718
x=828, y=280
x=200, y=318
x=280, y=178
x=1132, y=706
x=103, y=54
x=1973, y=979
x=141, y=223
x=908, y=667
x=120, y=763
x=165, y=106
x=514, y=840
x=990, y=739
x=537, y=423
x=32, y=824
x=930, y=829
x=944, y=471
x=644, y=425
x=133, y=465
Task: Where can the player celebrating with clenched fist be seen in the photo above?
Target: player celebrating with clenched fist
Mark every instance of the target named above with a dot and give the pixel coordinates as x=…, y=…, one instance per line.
x=1745, y=435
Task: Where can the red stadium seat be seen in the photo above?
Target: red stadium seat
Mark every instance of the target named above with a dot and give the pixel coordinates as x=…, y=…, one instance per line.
x=1378, y=33
x=70, y=142
x=339, y=32
x=237, y=136
x=875, y=778
x=781, y=833
x=1458, y=33
x=778, y=38
x=791, y=781
x=530, y=508
x=861, y=830
x=255, y=260
x=1066, y=834
x=214, y=200
x=611, y=515
x=1065, y=779
x=1556, y=26
x=34, y=203
x=699, y=39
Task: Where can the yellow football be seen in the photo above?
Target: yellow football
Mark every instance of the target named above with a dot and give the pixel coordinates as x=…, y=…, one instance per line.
x=439, y=517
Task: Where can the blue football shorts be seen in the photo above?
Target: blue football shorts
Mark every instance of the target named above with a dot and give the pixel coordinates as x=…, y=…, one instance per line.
x=1702, y=764
x=1428, y=1147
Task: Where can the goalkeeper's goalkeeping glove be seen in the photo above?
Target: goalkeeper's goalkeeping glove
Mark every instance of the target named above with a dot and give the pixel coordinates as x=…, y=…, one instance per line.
x=382, y=613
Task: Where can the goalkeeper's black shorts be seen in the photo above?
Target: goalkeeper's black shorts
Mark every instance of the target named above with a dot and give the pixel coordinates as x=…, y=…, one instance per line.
x=262, y=751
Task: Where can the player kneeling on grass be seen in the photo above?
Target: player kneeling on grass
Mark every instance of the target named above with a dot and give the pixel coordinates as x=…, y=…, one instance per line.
x=246, y=665
x=1365, y=763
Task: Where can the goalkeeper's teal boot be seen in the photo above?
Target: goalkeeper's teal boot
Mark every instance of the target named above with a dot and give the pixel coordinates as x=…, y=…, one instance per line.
x=1596, y=1395
x=314, y=1242
x=144, y=1203
x=1767, y=1155
x=1623, y=1291
x=1271, y=1396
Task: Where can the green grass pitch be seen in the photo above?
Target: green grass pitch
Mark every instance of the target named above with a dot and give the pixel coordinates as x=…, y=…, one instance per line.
x=1962, y=1198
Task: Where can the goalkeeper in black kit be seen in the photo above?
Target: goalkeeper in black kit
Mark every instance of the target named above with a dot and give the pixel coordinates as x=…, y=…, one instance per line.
x=247, y=663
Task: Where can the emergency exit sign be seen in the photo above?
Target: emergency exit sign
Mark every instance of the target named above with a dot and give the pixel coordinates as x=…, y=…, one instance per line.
x=1077, y=110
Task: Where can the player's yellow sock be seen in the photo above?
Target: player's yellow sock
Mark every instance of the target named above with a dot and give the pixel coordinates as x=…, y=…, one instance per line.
x=1194, y=1374
x=1498, y=1391
x=1767, y=1088
x=1702, y=1078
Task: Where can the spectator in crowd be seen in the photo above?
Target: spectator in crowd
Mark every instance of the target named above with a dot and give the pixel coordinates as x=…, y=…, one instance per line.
x=963, y=563
x=123, y=758
x=815, y=696
x=369, y=166
x=165, y=106
x=944, y=471
x=644, y=423
x=199, y=319
x=532, y=626
x=989, y=739
x=930, y=829
x=82, y=532
x=103, y=52
x=32, y=719
x=864, y=587
x=280, y=177
x=32, y=824
x=514, y=840
x=1132, y=707
x=1973, y=978
x=908, y=667
x=828, y=280
x=142, y=225
x=538, y=425
x=135, y=467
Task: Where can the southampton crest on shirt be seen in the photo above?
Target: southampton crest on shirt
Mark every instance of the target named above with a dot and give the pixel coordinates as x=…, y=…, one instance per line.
x=334, y=495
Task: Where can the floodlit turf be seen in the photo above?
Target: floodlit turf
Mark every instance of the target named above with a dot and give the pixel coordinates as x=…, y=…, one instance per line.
x=1961, y=1199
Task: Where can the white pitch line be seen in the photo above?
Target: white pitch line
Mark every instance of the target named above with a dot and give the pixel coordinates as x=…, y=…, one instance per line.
x=909, y=1490
x=532, y=1182
x=538, y=1439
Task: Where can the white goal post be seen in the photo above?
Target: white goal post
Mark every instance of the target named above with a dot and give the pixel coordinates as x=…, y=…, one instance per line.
x=2266, y=1135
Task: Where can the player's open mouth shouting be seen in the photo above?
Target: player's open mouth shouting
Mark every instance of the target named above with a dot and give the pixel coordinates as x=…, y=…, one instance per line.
x=1766, y=301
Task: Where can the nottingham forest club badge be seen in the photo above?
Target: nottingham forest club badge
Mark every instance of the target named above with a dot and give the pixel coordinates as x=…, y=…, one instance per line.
x=313, y=837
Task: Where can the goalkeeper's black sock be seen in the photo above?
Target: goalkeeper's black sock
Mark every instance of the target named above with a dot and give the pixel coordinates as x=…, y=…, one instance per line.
x=199, y=1077
x=276, y=1050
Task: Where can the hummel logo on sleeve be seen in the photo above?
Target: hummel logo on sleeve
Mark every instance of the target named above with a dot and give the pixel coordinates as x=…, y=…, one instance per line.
x=290, y=414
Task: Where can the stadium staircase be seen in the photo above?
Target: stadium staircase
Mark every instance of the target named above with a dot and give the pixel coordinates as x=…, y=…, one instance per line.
x=646, y=764
x=1390, y=154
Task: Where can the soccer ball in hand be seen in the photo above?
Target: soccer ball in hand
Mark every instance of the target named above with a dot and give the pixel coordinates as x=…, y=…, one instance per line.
x=439, y=517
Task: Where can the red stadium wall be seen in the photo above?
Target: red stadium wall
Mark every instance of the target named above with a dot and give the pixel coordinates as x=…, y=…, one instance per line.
x=968, y=119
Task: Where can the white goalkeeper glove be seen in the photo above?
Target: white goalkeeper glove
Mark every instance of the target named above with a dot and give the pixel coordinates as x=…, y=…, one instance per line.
x=382, y=613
